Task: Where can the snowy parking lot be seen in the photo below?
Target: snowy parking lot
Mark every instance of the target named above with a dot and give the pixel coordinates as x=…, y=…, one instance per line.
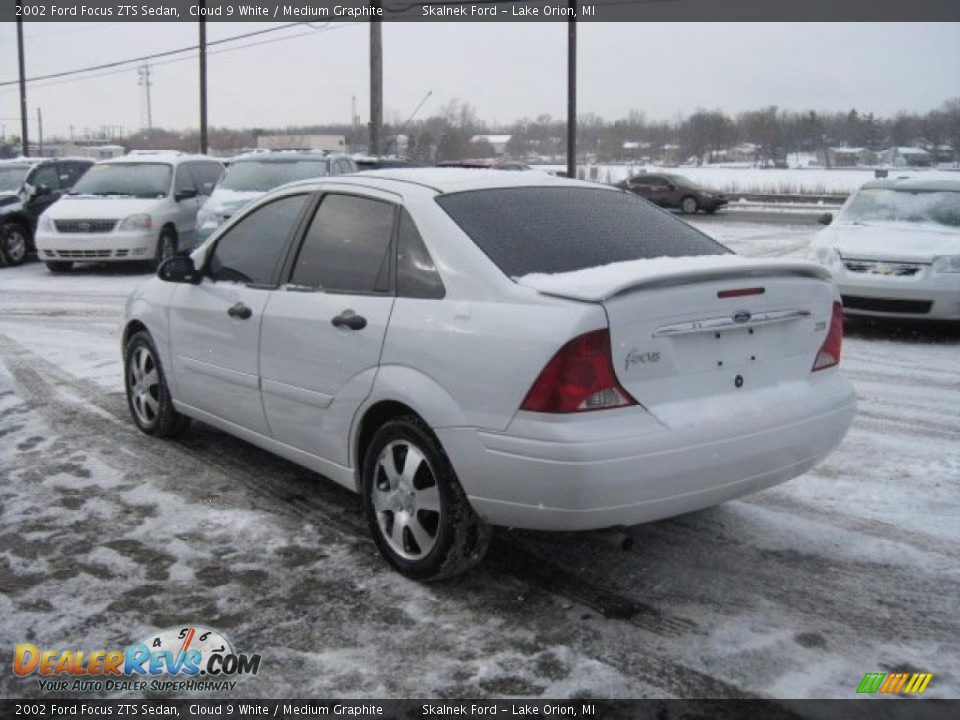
x=798, y=591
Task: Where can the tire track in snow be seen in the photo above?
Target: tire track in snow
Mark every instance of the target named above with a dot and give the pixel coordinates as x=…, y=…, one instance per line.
x=68, y=402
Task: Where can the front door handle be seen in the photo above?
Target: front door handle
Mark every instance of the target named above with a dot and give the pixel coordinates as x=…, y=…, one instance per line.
x=350, y=319
x=239, y=310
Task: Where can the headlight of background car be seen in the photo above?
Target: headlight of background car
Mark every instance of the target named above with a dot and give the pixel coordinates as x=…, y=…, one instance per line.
x=947, y=264
x=45, y=224
x=137, y=222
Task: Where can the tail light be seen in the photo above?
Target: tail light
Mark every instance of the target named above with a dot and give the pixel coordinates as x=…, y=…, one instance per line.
x=579, y=378
x=829, y=353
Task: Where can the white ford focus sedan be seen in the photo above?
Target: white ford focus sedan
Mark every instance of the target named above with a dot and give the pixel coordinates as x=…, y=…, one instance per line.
x=470, y=348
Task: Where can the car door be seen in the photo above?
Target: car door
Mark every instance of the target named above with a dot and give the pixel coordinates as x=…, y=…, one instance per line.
x=186, y=198
x=45, y=180
x=215, y=325
x=659, y=191
x=640, y=186
x=323, y=330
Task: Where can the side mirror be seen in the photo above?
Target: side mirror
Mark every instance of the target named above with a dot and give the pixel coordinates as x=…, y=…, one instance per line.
x=671, y=186
x=179, y=269
x=185, y=195
x=825, y=219
x=42, y=190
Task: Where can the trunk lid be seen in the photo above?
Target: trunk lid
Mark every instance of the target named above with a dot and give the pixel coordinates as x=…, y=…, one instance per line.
x=689, y=328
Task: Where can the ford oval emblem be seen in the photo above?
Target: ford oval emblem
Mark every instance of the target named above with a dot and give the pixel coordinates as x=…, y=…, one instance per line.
x=741, y=316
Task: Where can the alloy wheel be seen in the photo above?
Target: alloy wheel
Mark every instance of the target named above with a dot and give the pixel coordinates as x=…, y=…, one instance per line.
x=15, y=246
x=406, y=500
x=143, y=385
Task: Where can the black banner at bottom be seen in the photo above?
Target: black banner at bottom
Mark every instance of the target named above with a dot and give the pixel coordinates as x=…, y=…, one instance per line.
x=587, y=709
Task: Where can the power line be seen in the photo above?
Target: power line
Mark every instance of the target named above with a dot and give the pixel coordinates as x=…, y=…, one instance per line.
x=152, y=56
x=193, y=56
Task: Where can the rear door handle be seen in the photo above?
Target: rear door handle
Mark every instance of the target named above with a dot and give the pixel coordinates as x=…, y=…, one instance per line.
x=349, y=319
x=239, y=310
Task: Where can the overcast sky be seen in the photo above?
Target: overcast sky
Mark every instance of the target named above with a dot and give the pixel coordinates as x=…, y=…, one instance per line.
x=505, y=70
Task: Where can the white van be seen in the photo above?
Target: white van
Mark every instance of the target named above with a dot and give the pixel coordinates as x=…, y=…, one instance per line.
x=137, y=207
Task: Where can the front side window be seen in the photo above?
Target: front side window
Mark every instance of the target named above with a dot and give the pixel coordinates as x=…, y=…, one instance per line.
x=136, y=179
x=347, y=246
x=250, y=251
x=47, y=176
x=206, y=175
x=561, y=229
x=70, y=172
x=184, y=181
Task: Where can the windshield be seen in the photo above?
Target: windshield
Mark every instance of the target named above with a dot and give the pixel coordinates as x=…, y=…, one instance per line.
x=553, y=230
x=254, y=176
x=145, y=180
x=12, y=177
x=910, y=206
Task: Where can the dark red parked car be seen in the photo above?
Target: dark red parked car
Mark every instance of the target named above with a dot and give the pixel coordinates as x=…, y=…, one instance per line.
x=674, y=191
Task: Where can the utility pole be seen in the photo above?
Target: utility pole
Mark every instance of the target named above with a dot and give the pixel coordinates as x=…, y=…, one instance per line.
x=24, y=141
x=376, y=82
x=40, y=131
x=203, y=79
x=572, y=91
x=146, y=112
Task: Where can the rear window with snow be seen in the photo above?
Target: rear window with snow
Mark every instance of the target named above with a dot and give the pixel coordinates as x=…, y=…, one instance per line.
x=561, y=229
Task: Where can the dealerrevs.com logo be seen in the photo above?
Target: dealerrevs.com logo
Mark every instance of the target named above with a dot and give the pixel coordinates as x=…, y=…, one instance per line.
x=894, y=683
x=201, y=658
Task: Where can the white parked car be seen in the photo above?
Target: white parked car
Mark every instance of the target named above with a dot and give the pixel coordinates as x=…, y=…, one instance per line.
x=469, y=349
x=136, y=207
x=894, y=248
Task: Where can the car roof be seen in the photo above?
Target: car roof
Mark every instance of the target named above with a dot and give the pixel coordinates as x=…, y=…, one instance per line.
x=929, y=183
x=451, y=180
x=285, y=156
x=170, y=159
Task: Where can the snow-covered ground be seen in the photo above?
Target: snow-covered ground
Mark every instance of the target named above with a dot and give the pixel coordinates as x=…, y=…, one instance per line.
x=818, y=181
x=798, y=591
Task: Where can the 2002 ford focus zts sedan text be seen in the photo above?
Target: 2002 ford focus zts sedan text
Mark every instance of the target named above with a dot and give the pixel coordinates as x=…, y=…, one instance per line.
x=472, y=348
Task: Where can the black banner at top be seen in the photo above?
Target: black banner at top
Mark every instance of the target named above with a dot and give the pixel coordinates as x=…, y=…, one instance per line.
x=480, y=10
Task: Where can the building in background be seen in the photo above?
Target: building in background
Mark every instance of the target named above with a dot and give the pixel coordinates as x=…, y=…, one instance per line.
x=330, y=143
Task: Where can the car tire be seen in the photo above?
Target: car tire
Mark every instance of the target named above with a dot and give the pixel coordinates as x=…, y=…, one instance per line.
x=420, y=518
x=689, y=205
x=166, y=247
x=59, y=266
x=148, y=395
x=14, y=243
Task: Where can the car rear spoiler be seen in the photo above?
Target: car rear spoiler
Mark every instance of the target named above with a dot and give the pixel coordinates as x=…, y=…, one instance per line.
x=602, y=283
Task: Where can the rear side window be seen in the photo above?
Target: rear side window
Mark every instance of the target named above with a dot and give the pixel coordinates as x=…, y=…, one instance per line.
x=48, y=176
x=71, y=171
x=249, y=252
x=560, y=229
x=416, y=275
x=347, y=246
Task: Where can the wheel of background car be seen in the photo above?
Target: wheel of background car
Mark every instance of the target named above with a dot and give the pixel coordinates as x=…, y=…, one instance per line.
x=689, y=205
x=59, y=266
x=418, y=514
x=13, y=243
x=166, y=247
x=147, y=394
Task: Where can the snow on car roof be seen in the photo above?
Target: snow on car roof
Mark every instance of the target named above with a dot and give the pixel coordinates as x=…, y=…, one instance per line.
x=450, y=180
x=171, y=158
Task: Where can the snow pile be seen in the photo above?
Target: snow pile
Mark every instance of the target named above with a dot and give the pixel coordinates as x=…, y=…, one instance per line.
x=601, y=282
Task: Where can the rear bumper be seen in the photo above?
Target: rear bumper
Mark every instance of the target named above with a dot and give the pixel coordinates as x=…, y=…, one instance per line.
x=935, y=296
x=96, y=247
x=628, y=467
